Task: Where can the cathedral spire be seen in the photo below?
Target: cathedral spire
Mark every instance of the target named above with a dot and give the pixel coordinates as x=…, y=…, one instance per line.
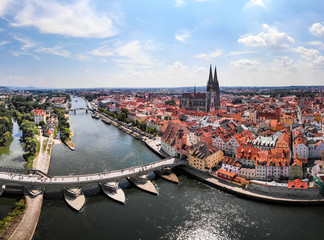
x=210, y=80
x=215, y=77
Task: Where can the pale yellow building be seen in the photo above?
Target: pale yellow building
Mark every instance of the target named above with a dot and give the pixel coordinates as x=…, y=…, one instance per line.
x=287, y=120
x=202, y=156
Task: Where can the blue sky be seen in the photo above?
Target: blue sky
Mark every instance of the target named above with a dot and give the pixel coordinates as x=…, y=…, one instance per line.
x=166, y=43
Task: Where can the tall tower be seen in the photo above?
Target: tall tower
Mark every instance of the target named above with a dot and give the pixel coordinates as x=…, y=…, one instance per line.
x=216, y=89
x=209, y=87
x=212, y=96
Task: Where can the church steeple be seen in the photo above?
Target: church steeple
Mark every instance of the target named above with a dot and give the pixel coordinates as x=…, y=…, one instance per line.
x=210, y=79
x=215, y=77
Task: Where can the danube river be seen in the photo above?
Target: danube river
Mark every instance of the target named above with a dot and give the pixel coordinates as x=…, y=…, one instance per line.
x=189, y=210
x=11, y=155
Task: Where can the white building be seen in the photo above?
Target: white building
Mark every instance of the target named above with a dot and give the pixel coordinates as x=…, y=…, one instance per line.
x=38, y=115
x=300, y=147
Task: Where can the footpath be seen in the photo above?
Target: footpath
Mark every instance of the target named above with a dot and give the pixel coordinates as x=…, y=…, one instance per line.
x=26, y=227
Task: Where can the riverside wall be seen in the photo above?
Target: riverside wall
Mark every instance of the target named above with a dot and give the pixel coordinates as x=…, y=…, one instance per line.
x=254, y=194
x=312, y=192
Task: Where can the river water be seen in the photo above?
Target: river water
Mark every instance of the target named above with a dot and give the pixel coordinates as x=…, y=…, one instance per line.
x=11, y=155
x=189, y=210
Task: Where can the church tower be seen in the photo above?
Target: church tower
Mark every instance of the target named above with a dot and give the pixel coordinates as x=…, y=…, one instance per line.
x=212, y=95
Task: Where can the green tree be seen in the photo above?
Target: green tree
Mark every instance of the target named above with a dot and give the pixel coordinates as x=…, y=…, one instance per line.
x=6, y=126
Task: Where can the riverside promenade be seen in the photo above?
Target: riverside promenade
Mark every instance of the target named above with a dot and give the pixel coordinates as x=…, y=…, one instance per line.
x=245, y=193
x=28, y=223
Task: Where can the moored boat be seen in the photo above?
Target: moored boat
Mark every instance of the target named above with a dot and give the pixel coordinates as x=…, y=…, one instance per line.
x=74, y=197
x=106, y=121
x=143, y=183
x=112, y=190
x=95, y=116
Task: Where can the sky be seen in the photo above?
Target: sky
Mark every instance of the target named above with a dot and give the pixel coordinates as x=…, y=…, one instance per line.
x=160, y=43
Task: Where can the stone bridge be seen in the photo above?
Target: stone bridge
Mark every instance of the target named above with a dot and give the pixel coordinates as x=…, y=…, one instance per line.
x=35, y=178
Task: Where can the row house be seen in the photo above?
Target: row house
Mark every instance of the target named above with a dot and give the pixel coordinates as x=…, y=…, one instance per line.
x=173, y=141
x=315, y=149
x=300, y=147
x=231, y=165
x=283, y=141
x=298, y=168
x=249, y=116
x=192, y=138
x=272, y=164
x=247, y=156
x=204, y=156
x=247, y=173
x=226, y=142
x=287, y=120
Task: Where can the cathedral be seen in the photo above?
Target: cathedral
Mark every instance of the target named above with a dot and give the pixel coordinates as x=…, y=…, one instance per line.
x=206, y=102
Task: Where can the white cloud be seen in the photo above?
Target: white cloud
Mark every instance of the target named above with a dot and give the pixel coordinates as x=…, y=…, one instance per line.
x=77, y=19
x=102, y=51
x=210, y=55
x=29, y=47
x=198, y=69
x=318, y=44
x=283, y=63
x=256, y=3
x=179, y=66
x=239, y=53
x=246, y=64
x=179, y=3
x=26, y=43
x=3, y=43
x=133, y=52
x=271, y=39
x=312, y=57
x=183, y=36
x=4, y=4
x=82, y=57
x=317, y=30
x=54, y=50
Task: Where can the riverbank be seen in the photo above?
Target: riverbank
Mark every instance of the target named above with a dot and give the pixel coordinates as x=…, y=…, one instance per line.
x=69, y=144
x=246, y=193
x=155, y=146
x=131, y=130
x=252, y=193
x=29, y=220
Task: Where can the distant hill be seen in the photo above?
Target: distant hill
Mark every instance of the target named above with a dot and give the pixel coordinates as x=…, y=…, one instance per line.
x=19, y=88
x=4, y=89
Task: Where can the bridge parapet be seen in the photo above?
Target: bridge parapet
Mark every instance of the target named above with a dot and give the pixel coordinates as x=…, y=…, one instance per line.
x=38, y=178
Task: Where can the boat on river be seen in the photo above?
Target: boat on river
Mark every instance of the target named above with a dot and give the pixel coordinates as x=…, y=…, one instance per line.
x=112, y=190
x=106, y=121
x=143, y=183
x=74, y=197
x=95, y=116
x=167, y=174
